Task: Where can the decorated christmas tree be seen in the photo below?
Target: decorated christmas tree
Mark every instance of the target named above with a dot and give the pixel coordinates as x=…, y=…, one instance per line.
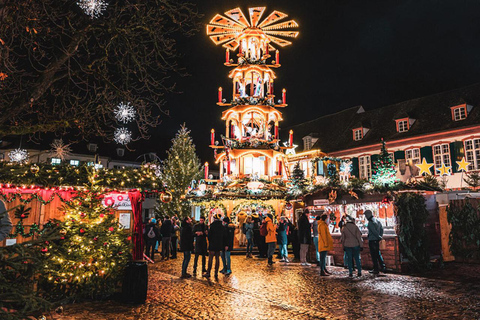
x=181, y=167
x=383, y=171
x=298, y=183
x=91, y=250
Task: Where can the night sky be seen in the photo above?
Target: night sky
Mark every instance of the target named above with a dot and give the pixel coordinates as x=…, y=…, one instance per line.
x=348, y=53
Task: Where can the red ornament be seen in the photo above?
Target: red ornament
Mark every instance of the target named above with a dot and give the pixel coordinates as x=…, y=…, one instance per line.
x=110, y=229
x=82, y=231
x=102, y=215
x=129, y=238
x=22, y=216
x=62, y=238
x=95, y=239
x=105, y=243
x=44, y=250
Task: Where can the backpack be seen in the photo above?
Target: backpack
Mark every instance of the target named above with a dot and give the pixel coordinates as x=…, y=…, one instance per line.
x=151, y=233
x=263, y=230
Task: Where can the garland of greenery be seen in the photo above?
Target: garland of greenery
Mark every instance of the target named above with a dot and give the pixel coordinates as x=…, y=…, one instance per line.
x=48, y=175
x=255, y=204
x=465, y=233
x=206, y=206
x=10, y=197
x=411, y=217
x=252, y=101
x=252, y=143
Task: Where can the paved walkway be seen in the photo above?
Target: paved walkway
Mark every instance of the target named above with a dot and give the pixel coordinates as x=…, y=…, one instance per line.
x=256, y=291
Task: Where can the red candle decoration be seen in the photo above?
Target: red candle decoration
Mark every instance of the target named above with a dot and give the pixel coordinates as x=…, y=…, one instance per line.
x=276, y=129
x=206, y=170
x=220, y=94
x=227, y=56
x=277, y=57
x=290, y=139
x=212, y=137
x=266, y=49
x=284, y=96
x=271, y=87
x=228, y=167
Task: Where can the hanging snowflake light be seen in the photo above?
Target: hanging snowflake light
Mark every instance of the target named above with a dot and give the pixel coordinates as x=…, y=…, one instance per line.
x=93, y=8
x=60, y=149
x=122, y=136
x=125, y=112
x=18, y=155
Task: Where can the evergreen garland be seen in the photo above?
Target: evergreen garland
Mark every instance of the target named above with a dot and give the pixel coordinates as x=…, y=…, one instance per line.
x=465, y=233
x=181, y=167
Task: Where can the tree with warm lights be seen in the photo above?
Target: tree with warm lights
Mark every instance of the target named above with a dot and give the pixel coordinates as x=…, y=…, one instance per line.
x=91, y=251
x=298, y=183
x=66, y=65
x=383, y=170
x=181, y=167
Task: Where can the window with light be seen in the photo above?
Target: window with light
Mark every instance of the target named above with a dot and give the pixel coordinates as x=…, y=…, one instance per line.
x=364, y=167
x=74, y=163
x=441, y=154
x=253, y=165
x=472, y=153
x=56, y=161
x=459, y=114
x=403, y=126
x=358, y=134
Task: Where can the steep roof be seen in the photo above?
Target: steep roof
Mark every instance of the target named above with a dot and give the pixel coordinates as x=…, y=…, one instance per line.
x=431, y=113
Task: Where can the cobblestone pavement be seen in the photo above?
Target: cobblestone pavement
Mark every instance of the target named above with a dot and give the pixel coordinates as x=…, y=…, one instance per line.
x=256, y=291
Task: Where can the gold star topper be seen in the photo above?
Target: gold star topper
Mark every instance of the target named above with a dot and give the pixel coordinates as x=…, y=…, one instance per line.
x=424, y=167
x=463, y=165
x=444, y=170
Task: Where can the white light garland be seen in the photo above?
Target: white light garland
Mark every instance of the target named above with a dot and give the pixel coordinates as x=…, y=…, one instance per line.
x=18, y=155
x=122, y=136
x=93, y=8
x=125, y=112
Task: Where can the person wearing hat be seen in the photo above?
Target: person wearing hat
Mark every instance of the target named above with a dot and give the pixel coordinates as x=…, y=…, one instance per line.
x=228, y=237
x=186, y=245
x=352, y=242
x=375, y=234
x=270, y=238
x=152, y=233
x=325, y=243
x=215, y=244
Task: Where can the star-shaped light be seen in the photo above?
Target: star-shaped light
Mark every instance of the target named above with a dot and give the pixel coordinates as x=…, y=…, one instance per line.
x=291, y=149
x=122, y=136
x=18, y=155
x=444, y=170
x=124, y=112
x=463, y=165
x=424, y=167
x=93, y=8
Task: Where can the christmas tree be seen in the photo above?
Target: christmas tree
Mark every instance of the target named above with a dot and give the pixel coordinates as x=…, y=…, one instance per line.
x=91, y=250
x=383, y=171
x=297, y=181
x=181, y=167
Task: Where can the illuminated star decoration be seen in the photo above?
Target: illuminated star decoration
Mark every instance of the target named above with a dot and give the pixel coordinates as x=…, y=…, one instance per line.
x=122, y=136
x=60, y=149
x=229, y=30
x=424, y=167
x=463, y=165
x=291, y=149
x=444, y=170
x=93, y=8
x=124, y=112
x=18, y=155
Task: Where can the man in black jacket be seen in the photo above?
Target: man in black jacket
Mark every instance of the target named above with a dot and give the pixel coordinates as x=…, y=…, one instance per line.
x=151, y=236
x=166, y=230
x=186, y=244
x=174, y=238
x=228, y=237
x=200, y=234
x=304, y=236
x=215, y=245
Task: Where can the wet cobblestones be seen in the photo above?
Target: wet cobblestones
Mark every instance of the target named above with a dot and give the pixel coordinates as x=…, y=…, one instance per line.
x=256, y=291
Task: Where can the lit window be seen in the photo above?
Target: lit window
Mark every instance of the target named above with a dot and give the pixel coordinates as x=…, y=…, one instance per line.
x=403, y=126
x=364, y=167
x=459, y=114
x=98, y=166
x=252, y=165
x=357, y=134
x=472, y=153
x=74, y=163
x=56, y=161
x=441, y=154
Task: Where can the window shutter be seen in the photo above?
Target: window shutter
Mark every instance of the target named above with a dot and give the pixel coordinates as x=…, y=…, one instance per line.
x=427, y=153
x=398, y=155
x=355, y=167
x=457, y=152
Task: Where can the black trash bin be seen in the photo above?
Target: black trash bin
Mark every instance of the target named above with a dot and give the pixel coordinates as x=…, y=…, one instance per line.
x=135, y=282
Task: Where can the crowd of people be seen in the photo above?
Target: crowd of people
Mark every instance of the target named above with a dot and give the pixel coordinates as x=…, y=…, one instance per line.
x=261, y=231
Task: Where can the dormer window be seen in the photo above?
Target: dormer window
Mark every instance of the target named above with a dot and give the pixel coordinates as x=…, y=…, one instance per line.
x=92, y=147
x=402, y=125
x=460, y=112
x=357, y=134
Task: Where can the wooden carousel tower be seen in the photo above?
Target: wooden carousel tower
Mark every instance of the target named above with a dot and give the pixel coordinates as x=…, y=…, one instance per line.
x=251, y=145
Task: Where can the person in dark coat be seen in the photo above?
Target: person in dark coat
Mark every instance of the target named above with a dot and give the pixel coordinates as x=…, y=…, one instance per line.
x=256, y=230
x=262, y=245
x=304, y=236
x=186, y=244
x=166, y=230
x=215, y=244
x=282, y=239
x=152, y=233
x=174, y=238
x=228, y=236
x=292, y=237
x=200, y=234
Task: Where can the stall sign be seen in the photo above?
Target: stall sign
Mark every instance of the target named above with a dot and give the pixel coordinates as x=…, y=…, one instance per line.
x=124, y=220
x=321, y=202
x=119, y=201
